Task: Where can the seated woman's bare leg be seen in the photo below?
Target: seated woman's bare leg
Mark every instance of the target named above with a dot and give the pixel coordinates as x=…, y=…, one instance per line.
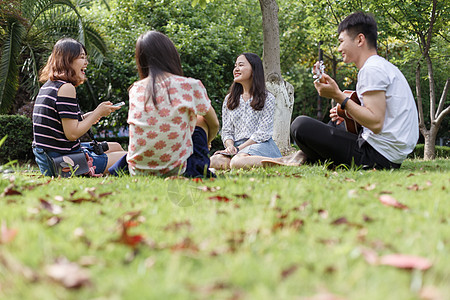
x=202, y=124
x=220, y=162
x=112, y=158
x=114, y=147
x=245, y=161
x=295, y=159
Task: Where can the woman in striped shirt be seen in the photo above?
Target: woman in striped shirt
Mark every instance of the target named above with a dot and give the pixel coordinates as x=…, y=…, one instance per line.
x=58, y=122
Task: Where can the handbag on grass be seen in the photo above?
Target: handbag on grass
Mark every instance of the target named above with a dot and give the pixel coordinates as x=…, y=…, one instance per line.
x=73, y=164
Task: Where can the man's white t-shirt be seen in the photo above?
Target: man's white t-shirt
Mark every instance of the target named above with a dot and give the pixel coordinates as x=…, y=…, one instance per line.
x=400, y=131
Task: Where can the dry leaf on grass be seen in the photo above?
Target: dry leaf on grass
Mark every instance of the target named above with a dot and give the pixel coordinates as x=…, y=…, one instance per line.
x=388, y=200
x=211, y=189
x=220, y=198
x=130, y=219
x=52, y=221
x=340, y=221
x=404, y=261
x=369, y=187
x=7, y=234
x=288, y=271
x=175, y=226
x=10, y=191
x=323, y=213
x=184, y=245
x=54, y=209
x=69, y=274
x=401, y=261
x=414, y=187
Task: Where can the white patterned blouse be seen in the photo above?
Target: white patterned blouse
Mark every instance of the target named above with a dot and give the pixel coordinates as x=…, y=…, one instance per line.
x=244, y=122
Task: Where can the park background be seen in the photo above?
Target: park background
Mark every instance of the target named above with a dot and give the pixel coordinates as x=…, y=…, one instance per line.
x=310, y=232
x=209, y=35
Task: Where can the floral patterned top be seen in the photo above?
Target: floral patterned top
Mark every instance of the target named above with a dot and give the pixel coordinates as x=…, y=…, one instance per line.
x=160, y=138
x=244, y=122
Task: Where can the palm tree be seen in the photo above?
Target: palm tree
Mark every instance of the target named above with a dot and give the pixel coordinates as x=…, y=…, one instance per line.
x=29, y=28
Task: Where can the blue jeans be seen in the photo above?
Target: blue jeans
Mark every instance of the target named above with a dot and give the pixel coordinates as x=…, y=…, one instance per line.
x=43, y=159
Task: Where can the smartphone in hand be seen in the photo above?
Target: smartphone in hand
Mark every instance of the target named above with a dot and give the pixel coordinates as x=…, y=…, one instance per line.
x=119, y=104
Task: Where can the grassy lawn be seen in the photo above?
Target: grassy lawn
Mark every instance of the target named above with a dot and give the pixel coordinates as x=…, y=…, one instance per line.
x=281, y=233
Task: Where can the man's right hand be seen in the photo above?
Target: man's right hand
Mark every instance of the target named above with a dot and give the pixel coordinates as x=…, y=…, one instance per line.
x=328, y=88
x=335, y=117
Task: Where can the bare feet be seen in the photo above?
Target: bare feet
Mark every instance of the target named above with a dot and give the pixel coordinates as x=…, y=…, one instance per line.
x=294, y=159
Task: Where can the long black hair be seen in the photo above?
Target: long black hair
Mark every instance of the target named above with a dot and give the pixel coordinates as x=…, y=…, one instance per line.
x=156, y=55
x=258, y=89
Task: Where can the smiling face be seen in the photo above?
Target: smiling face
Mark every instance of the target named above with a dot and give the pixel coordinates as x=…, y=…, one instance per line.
x=79, y=66
x=242, y=71
x=348, y=47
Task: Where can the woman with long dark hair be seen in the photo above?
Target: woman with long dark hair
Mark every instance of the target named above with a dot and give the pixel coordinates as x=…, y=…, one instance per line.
x=58, y=122
x=247, y=118
x=171, y=118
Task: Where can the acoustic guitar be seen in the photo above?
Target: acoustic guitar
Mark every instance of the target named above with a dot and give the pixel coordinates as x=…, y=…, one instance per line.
x=350, y=124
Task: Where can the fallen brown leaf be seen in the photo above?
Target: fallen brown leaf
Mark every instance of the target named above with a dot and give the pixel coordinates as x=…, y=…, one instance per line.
x=367, y=219
x=59, y=198
x=129, y=219
x=242, y=196
x=52, y=221
x=211, y=189
x=69, y=274
x=401, y=261
x=388, y=200
x=297, y=224
x=81, y=200
x=369, y=187
x=404, y=261
x=340, y=221
x=54, y=209
x=185, y=244
x=219, y=198
x=177, y=225
x=10, y=191
x=414, y=187
x=323, y=213
x=6, y=234
x=288, y=271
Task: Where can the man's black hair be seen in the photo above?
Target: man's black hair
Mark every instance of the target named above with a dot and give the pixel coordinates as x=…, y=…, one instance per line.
x=360, y=22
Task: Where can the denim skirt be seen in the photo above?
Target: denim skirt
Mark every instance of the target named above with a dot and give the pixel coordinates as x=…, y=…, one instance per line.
x=266, y=149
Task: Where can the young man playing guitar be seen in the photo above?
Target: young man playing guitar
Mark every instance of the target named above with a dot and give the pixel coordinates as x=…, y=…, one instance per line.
x=387, y=113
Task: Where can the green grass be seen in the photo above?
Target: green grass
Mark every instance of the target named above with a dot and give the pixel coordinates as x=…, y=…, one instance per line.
x=274, y=239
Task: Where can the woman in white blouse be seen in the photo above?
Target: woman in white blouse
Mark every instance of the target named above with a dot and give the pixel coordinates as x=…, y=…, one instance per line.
x=247, y=118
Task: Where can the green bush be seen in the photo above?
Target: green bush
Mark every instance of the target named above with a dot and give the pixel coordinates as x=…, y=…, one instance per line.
x=441, y=152
x=17, y=145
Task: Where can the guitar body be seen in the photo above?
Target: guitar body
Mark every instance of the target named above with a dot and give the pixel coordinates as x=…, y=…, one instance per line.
x=350, y=124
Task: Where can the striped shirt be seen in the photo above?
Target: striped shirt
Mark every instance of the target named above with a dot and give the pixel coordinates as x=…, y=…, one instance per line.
x=48, y=111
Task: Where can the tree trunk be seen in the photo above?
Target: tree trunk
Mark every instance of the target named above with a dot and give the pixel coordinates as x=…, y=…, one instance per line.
x=283, y=91
x=436, y=116
x=429, y=151
x=284, y=95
